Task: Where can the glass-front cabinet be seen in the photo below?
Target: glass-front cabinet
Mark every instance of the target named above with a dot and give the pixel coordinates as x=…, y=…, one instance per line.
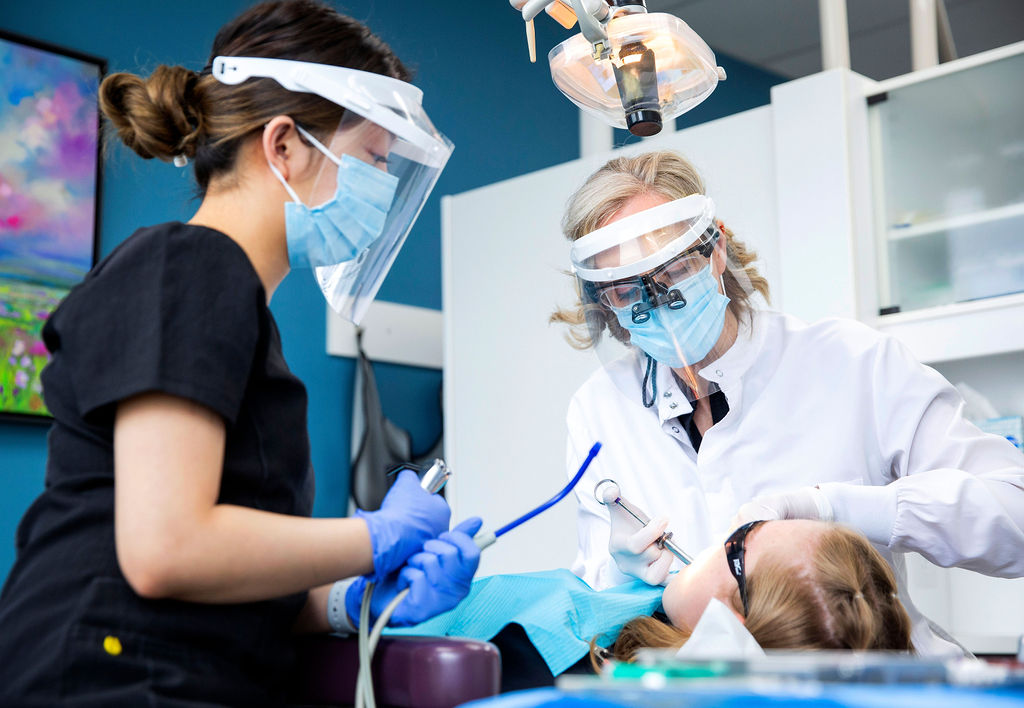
x=948, y=184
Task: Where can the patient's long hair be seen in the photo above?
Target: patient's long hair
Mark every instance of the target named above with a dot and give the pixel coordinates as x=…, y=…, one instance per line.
x=844, y=599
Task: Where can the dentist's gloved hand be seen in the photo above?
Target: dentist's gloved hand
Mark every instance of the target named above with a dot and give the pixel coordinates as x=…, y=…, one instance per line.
x=408, y=517
x=438, y=578
x=633, y=547
x=806, y=503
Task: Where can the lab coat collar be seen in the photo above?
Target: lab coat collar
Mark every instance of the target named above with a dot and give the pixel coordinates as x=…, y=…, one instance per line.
x=671, y=400
x=727, y=371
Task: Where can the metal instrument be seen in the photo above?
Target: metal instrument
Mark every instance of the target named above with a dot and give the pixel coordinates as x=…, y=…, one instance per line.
x=607, y=492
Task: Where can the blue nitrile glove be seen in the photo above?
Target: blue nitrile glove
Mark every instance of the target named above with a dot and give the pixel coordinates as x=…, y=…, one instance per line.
x=408, y=516
x=438, y=578
x=384, y=592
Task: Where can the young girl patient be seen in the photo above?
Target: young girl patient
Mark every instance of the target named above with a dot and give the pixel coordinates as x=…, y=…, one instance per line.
x=794, y=584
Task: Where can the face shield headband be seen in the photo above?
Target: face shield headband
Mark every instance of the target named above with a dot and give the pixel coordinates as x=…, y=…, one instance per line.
x=355, y=237
x=392, y=104
x=643, y=242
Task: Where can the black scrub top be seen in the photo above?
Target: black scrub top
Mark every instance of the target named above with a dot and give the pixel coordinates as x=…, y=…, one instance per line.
x=177, y=309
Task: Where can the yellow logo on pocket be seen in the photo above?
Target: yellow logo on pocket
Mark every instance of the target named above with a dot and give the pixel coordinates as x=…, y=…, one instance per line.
x=112, y=645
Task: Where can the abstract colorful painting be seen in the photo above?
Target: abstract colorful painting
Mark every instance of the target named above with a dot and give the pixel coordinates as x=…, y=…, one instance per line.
x=49, y=192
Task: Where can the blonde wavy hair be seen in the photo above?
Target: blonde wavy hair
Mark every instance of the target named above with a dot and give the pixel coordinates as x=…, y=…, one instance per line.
x=846, y=599
x=605, y=192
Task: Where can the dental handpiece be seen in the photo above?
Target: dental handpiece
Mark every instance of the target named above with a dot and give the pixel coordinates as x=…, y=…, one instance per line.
x=435, y=477
x=607, y=492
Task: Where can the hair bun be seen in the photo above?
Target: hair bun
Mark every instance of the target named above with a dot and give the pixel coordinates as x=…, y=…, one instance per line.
x=156, y=117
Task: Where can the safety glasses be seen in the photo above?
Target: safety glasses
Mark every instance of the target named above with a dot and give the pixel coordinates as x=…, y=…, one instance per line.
x=735, y=557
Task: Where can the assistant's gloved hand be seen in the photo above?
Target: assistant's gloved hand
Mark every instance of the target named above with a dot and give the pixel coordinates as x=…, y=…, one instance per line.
x=438, y=578
x=408, y=517
x=633, y=547
x=806, y=503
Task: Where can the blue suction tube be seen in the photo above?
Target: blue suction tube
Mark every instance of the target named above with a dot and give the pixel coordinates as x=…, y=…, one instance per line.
x=485, y=539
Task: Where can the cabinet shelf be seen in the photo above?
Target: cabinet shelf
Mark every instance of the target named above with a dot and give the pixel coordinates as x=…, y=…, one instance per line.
x=981, y=327
x=1002, y=213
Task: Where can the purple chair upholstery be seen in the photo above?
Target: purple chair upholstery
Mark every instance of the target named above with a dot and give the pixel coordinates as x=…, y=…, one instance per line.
x=412, y=672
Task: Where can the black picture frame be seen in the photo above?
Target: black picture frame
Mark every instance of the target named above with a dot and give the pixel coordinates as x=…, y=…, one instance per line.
x=48, y=182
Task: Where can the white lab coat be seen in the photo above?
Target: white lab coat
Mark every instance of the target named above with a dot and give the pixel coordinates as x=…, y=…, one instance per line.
x=831, y=402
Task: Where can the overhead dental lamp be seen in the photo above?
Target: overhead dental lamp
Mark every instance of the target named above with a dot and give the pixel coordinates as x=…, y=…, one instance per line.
x=630, y=68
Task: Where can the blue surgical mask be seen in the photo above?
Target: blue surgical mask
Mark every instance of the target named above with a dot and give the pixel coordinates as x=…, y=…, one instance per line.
x=340, y=228
x=689, y=332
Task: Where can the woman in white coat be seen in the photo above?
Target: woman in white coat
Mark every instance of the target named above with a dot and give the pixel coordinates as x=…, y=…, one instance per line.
x=713, y=411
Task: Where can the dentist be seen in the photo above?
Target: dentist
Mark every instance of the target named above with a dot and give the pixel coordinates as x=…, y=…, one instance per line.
x=715, y=411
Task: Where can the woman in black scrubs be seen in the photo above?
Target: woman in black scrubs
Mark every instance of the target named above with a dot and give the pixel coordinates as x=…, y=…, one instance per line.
x=171, y=555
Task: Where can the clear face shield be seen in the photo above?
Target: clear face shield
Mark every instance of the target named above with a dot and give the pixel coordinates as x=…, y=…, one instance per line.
x=382, y=163
x=653, y=297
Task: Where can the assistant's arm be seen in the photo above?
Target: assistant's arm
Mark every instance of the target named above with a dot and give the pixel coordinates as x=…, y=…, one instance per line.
x=958, y=494
x=312, y=618
x=175, y=541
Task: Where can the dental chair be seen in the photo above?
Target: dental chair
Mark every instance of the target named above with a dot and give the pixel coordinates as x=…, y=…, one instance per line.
x=411, y=672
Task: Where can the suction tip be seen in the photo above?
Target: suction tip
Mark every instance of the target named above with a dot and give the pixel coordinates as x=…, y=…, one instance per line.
x=606, y=491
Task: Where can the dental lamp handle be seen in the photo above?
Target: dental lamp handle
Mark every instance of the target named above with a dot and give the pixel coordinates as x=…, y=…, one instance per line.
x=590, y=26
x=597, y=9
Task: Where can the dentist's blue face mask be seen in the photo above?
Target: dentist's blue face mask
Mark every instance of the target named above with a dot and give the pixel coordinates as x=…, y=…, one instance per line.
x=343, y=226
x=680, y=336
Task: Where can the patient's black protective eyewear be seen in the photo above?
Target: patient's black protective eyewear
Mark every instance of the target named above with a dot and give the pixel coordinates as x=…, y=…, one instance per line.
x=735, y=556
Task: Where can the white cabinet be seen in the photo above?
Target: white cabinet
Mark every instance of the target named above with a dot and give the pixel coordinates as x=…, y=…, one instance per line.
x=949, y=186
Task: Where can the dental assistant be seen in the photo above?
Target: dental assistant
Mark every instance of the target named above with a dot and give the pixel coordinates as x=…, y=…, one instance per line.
x=171, y=556
x=714, y=411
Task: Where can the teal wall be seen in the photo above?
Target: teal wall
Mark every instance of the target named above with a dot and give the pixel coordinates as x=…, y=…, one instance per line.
x=503, y=114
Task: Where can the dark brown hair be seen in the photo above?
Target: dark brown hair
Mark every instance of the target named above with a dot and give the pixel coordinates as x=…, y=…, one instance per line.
x=177, y=111
x=846, y=599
